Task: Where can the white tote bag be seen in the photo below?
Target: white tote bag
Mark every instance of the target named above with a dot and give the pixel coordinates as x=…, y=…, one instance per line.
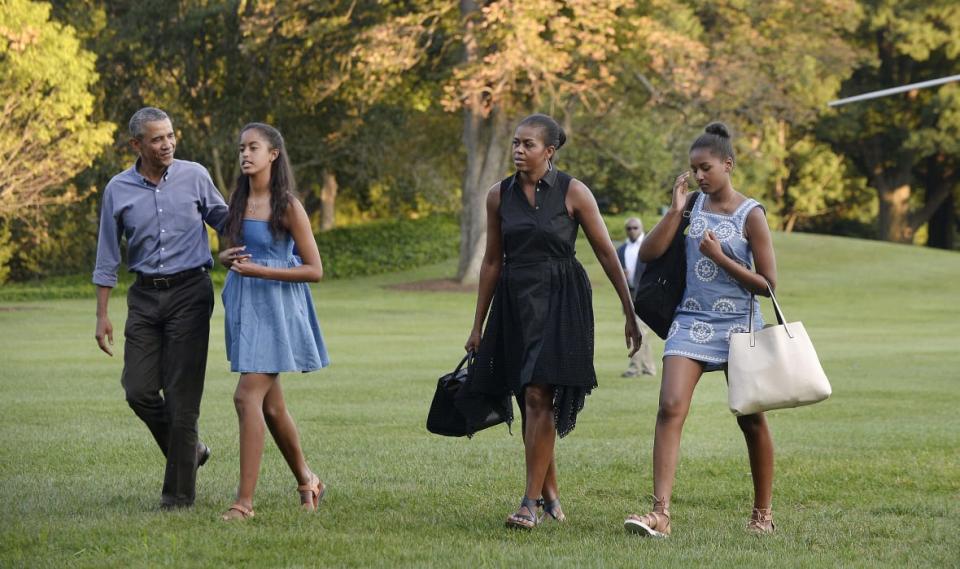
x=774, y=368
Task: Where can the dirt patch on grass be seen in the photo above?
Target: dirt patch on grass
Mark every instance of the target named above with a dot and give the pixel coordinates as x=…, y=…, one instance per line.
x=18, y=308
x=434, y=285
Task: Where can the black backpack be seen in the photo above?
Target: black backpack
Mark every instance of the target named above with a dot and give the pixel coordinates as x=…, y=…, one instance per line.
x=664, y=280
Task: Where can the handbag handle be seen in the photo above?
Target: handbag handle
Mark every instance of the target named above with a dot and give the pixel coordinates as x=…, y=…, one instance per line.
x=781, y=319
x=463, y=361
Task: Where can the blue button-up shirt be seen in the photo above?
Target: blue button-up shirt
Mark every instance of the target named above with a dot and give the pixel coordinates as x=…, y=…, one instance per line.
x=163, y=223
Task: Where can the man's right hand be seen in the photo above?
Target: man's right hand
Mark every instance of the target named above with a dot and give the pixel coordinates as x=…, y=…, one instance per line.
x=105, y=334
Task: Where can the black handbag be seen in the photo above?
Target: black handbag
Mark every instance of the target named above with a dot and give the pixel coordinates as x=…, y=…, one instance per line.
x=445, y=418
x=664, y=280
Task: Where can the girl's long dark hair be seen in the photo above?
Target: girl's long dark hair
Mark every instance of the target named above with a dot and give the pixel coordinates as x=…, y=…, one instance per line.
x=282, y=187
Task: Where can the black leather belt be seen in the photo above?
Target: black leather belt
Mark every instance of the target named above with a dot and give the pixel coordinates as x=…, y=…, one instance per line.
x=162, y=282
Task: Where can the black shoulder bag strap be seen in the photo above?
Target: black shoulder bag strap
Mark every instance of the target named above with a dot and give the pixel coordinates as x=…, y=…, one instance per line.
x=687, y=209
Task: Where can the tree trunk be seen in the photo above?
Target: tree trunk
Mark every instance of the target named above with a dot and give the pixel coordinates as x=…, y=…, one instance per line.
x=895, y=213
x=485, y=139
x=941, y=232
x=218, y=178
x=893, y=192
x=328, y=200
x=485, y=132
x=779, y=183
x=790, y=222
x=939, y=182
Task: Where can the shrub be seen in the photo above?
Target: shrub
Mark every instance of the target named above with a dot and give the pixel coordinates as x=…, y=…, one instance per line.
x=358, y=250
x=387, y=246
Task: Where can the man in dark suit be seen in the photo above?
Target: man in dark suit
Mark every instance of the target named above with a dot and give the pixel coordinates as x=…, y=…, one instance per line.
x=629, y=255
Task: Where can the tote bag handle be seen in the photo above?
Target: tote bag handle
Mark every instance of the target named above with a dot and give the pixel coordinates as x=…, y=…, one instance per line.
x=781, y=319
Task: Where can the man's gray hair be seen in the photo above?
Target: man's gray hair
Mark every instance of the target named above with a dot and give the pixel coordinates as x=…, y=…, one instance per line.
x=145, y=115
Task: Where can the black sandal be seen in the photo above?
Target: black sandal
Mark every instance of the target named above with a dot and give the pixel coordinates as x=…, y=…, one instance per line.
x=524, y=521
x=552, y=509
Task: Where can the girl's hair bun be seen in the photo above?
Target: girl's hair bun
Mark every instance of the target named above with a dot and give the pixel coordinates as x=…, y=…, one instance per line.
x=716, y=138
x=717, y=128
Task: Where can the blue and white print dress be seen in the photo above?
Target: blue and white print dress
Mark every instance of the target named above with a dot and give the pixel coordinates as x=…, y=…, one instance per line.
x=714, y=305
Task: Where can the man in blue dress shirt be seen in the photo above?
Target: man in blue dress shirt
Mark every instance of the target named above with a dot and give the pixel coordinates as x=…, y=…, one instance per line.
x=160, y=206
x=629, y=255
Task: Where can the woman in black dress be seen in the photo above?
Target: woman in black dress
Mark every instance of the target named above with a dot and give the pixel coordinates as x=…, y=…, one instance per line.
x=538, y=342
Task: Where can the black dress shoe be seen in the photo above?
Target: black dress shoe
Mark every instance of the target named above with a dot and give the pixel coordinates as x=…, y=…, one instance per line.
x=203, y=454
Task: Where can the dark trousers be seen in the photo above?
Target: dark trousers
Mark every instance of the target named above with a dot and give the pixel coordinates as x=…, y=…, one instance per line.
x=166, y=338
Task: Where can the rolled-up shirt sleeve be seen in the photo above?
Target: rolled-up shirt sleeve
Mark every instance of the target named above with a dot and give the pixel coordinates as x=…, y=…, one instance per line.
x=108, y=244
x=212, y=207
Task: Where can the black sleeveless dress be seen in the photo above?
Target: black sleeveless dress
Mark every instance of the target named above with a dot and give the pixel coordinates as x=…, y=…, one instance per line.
x=540, y=326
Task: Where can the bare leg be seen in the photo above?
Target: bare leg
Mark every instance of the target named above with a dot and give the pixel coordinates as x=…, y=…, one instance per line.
x=760, y=450
x=680, y=377
x=248, y=399
x=284, y=432
x=539, y=436
x=551, y=490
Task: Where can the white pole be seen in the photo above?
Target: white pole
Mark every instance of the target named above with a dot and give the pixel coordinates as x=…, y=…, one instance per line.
x=894, y=90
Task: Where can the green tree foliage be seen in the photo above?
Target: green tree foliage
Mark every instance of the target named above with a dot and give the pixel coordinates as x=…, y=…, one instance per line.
x=773, y=67
x=46, y=131
x=405, y=108
x=629, y=150
x=355, y=121
x=514, y=57
x=896, y=140
x=766, y=69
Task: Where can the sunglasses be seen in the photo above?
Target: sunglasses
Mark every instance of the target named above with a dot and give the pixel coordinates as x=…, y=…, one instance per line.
x=632, y=228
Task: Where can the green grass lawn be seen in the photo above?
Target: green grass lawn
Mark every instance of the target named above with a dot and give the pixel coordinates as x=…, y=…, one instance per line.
x=869, y=478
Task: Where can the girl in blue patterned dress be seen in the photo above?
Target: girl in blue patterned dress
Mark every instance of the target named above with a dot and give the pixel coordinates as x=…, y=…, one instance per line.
x=271, y=325
x=729, y=253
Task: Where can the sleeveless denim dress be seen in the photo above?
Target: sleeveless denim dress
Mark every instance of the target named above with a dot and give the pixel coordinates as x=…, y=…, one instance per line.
x=715, y=305
x=270, y=326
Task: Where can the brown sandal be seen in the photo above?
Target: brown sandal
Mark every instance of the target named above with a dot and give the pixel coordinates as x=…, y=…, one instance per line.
x=654, y=524
x=311, y=494
x=237, y=512
x=761, y=521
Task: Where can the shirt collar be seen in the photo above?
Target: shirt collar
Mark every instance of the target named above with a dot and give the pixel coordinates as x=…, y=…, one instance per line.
x=141, y=178
x=550, y=178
